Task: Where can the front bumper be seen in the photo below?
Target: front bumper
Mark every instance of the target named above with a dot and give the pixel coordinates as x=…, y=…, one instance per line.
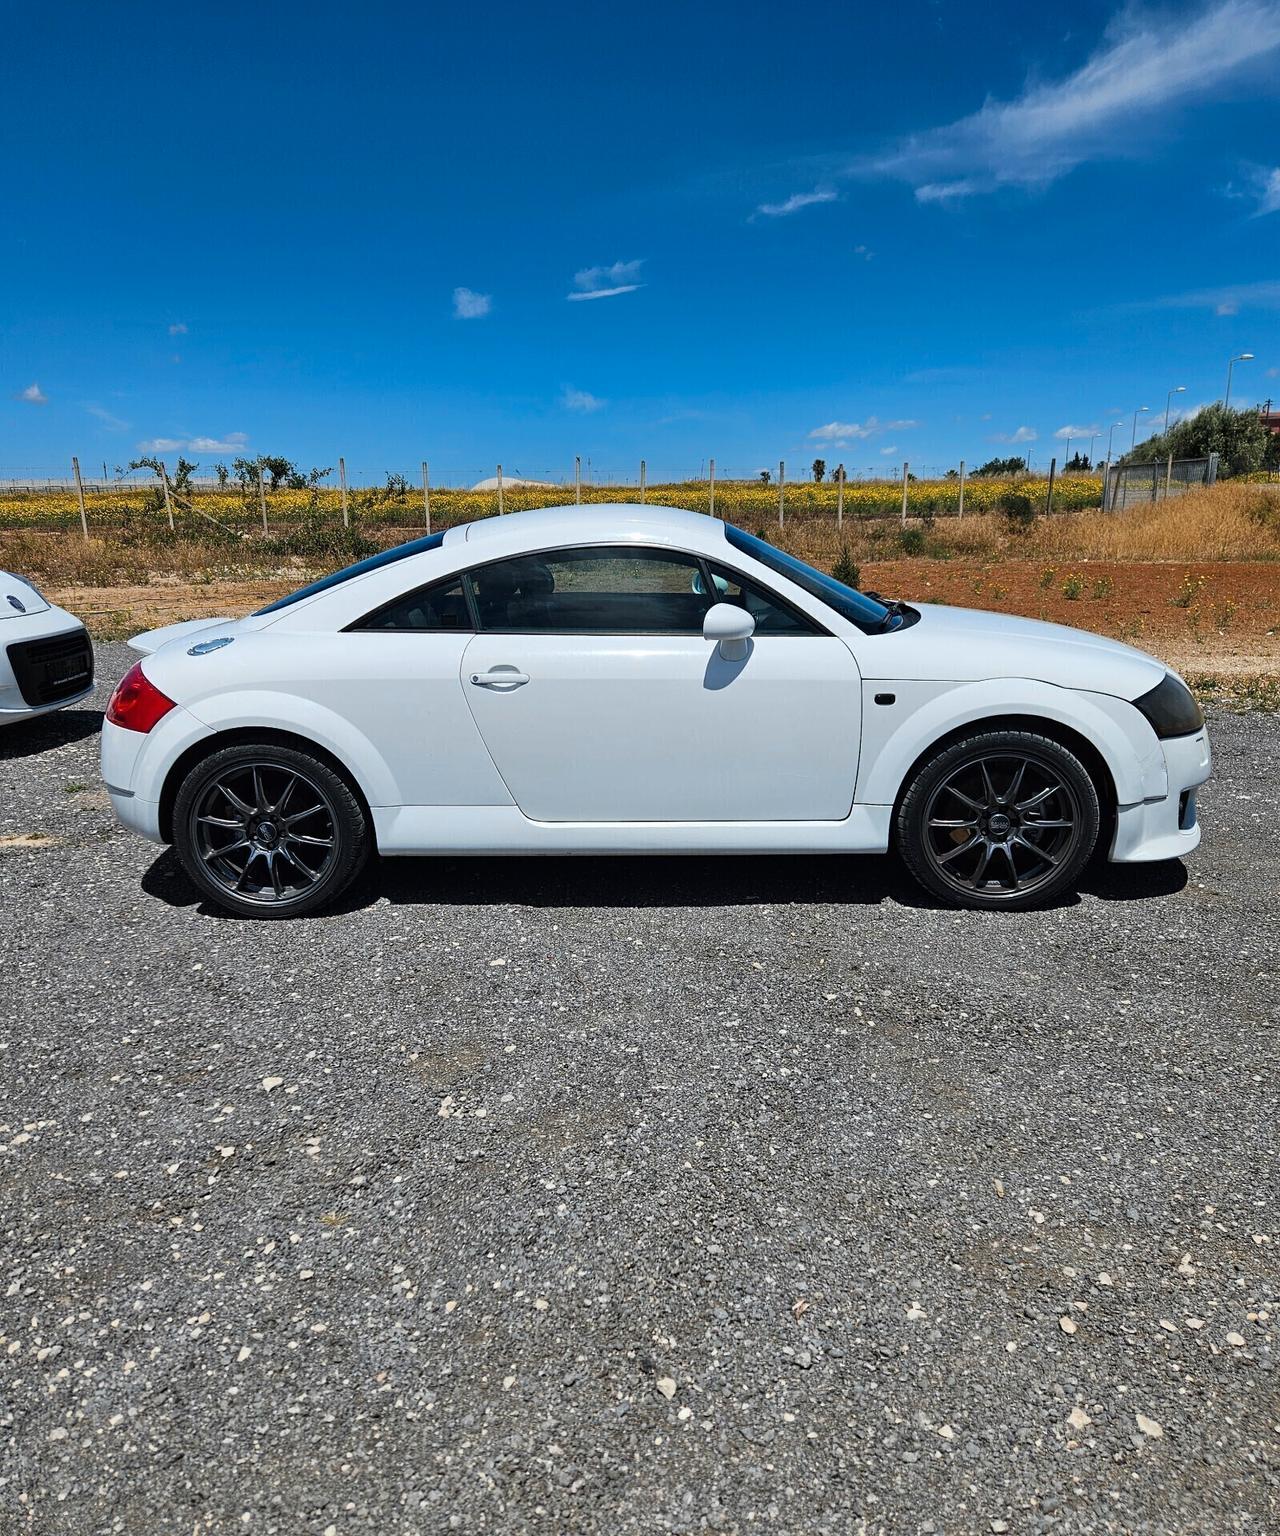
x=28, y=685
x=1167, y=827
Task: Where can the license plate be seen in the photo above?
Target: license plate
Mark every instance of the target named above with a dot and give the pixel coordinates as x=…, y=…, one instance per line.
x=67, y=669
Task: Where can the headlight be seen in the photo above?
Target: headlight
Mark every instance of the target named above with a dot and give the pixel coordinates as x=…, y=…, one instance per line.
x=1171, y=708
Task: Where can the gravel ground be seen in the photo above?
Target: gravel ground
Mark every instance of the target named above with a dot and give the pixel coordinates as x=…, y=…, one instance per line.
x=597, y=1196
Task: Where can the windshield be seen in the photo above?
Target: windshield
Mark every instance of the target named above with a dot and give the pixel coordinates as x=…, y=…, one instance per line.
x=849, y=603
x=373, y=563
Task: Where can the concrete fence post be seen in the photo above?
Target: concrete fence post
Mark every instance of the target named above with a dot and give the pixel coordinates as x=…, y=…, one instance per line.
x=960, y=513
x=642, y=482
x=782, y=486
x=577, y=480
x=84, y=521
x=711, y=486
x=1048, y=501
x=426, y=495
x=839, y=495
x=904, y=492
x=262, y=498
x=1168, y=477
x=501, y=508
x=342, y=482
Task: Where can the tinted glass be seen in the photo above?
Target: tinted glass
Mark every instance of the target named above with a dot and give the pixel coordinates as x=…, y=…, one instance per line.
x=772, y=617
x=611, y=591
x=433, y=608
x=373, y=563
x=863, y=611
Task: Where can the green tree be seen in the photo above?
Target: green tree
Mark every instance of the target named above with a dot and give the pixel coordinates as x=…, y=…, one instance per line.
x=765, y=477
x=819, y=470
x=1239, y=438
x=1010, y=466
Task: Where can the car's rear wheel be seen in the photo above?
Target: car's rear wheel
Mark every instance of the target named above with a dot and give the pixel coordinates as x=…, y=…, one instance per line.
x=269, y=831
x=999, y=819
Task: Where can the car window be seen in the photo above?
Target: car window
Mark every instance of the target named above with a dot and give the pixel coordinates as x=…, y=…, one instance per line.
x=869, y=615
x=772, y=615
x=595, y=590
x=442, y=607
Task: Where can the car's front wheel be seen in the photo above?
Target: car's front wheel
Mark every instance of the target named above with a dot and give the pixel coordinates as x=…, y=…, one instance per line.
x=999, y=819
x=269, y=831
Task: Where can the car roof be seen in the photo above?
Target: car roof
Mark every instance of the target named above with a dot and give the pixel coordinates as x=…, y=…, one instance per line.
x=593, y=521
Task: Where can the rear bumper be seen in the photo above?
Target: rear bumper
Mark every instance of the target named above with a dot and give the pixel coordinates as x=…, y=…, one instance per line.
x=135, y=767
x=1168, y=827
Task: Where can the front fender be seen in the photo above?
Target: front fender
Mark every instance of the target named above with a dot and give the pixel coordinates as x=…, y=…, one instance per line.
x=923, y=713
x=247, y=709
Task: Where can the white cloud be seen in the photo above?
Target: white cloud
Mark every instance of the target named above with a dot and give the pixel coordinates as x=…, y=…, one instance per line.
x=1022, y=435
x=33, y=395
x=892, y=448
x=1227, y=307
x=864, y=251
x=1266, y=185
x=469, y=305
x=840, y=432
x=110, y=422
x=230, y=442
x=606, y=282
x=1063, y=433
x=580, y=400
x=1146, y=64
x=797, y=201
x=177, y=329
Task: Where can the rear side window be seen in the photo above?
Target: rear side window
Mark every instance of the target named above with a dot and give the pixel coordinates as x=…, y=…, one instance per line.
x=430, y=609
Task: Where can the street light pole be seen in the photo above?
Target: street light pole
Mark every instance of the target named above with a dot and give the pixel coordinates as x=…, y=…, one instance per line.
x=1178, y=389
x=1092, y=440
x=1133, y=436
x=1245, y=357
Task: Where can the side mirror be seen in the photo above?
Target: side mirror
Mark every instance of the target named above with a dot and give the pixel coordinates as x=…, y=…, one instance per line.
x=729, y=627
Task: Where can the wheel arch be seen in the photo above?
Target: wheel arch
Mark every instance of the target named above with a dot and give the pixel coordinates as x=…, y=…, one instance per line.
x=198, y=751
x=1068, y=736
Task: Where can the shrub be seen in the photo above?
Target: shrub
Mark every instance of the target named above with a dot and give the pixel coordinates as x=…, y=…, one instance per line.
x=1073, y=586
x=846, y=568
x=1017, y=509
x=912, y=541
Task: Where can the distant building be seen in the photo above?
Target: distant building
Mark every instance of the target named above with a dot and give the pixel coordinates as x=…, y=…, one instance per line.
x=1270, y=415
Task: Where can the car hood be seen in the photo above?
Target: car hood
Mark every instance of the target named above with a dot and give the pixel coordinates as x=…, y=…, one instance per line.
x=970, y=645
x=17, y=598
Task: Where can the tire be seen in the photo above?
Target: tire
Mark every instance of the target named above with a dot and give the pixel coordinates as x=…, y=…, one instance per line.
x=999, y=819
x=269, y=831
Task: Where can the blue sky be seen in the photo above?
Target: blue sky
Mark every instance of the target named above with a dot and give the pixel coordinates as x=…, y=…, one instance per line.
x=397, y=232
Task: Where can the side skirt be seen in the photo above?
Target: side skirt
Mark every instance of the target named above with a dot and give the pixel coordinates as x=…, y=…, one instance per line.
x=501, y=829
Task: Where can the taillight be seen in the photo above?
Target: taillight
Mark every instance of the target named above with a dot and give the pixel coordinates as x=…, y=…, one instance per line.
x=137, y=703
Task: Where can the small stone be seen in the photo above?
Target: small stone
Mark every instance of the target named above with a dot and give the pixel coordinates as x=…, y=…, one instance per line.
x=1067, y=1324
x=502, y=960
x=1236, y=1340
x=508, y=1382
x=1079, y=1419
x=271, y=1082
x=243, y=1354
x=1149, y=1426
x=1195, y=1323
x=685, y=1413
x=947, y=1432
x=999, y=1525
x=58, y=1434
x=1168, y=1325
x=1104, y=1278
x=667, y=1386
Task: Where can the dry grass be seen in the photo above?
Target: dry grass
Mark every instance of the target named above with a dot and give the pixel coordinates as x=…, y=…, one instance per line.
x=1231, y=522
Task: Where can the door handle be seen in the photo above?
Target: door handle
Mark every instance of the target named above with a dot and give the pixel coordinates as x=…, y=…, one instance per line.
x=500, y=677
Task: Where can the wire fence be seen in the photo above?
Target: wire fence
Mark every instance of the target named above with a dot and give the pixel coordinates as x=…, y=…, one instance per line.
x=1130, y=485
x=272, y=497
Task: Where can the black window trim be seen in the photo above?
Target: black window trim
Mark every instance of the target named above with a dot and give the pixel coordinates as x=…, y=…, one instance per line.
x=365, y=625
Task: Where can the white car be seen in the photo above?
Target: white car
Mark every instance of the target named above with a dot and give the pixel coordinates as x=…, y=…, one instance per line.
x=46, y=658
x=638, y=679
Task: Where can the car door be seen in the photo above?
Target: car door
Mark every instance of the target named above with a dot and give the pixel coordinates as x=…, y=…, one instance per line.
x=599, y=700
